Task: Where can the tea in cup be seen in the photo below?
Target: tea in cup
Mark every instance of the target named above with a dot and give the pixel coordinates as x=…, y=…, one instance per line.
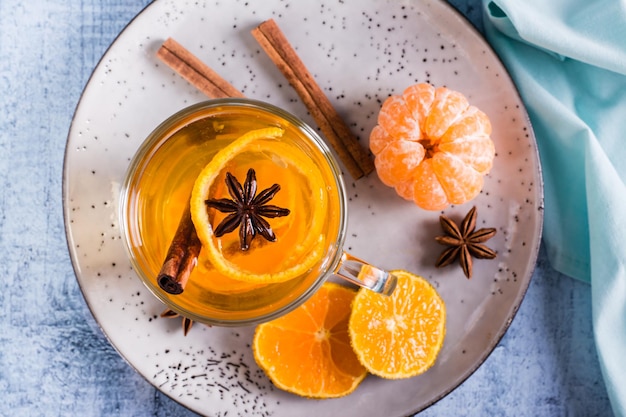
x=234, y=212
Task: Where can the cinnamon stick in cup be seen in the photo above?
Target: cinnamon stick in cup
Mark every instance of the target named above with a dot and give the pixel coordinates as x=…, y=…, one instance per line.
x=181, y=258
x=184, y=249
x=182, y=255
x=279, y=50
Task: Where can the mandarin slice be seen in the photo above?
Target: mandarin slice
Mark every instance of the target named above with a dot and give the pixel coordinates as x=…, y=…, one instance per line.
x=398, y=336
x=307, y=351
x=426, y=124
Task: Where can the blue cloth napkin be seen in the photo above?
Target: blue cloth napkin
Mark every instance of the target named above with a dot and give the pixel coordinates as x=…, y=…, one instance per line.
x=568, y=59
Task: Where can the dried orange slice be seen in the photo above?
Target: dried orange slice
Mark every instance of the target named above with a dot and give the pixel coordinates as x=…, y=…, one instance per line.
x=432, y=146
x=307, y=352
x=308, y=246
x=398, y=336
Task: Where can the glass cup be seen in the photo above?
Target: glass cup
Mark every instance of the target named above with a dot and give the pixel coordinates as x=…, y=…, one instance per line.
x=155, y=200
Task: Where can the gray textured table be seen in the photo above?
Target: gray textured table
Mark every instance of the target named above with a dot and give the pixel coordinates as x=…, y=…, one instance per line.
x=54, y=360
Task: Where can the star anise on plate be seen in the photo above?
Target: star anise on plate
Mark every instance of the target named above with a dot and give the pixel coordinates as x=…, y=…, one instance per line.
x=247, y=210
x=187, y=323
x=464, y=242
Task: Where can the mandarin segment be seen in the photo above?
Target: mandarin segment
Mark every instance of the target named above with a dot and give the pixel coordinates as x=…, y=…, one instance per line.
x=398, y=336
x=473, y=122
x=410, y=154
x=307, y=352
x=459, y=181
x=397, y=120
x=469, y=139
x=427, y=190
x=419, y=99
x=379, y=139
x=474, y=151
x=446, y=109
x=405, y=189
x=449, y=130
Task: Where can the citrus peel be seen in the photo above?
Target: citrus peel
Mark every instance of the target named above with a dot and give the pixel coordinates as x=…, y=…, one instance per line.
x=304, y=255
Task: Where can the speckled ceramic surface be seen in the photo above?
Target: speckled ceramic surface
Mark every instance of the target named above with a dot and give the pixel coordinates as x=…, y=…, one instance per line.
x=360, y=51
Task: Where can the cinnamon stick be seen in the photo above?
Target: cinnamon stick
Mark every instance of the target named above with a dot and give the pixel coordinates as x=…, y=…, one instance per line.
x=182, y=256
x=279, y=50
x=195, y=71
x=185, y=247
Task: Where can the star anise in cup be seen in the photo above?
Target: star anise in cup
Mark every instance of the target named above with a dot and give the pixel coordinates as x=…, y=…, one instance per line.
x=464, y=242
x=247, y=210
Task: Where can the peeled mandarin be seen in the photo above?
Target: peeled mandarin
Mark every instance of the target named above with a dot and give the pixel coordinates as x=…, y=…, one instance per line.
x=432, y=146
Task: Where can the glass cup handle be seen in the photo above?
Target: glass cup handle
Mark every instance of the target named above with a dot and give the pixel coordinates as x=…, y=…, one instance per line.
x=365, y=275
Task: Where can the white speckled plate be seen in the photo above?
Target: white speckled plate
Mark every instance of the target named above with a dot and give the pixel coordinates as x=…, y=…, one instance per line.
x=360, y=51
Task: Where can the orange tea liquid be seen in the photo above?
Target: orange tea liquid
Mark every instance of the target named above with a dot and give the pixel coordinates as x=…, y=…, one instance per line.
x=160, y=186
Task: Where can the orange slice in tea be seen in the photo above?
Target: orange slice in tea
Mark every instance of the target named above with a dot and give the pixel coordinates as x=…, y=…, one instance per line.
x=432, y=146
x=307, y=352
x=304, y=246
x=398, y=336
